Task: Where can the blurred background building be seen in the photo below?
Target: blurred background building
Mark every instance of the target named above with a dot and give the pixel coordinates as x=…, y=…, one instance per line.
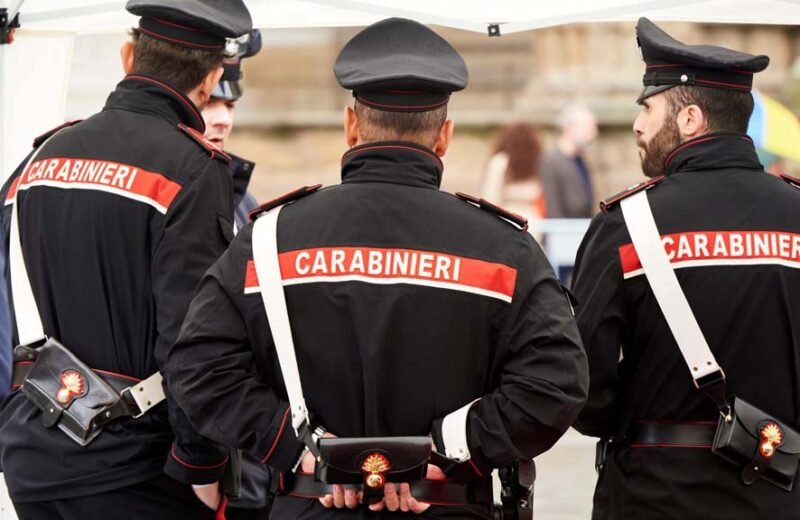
x=289, y=121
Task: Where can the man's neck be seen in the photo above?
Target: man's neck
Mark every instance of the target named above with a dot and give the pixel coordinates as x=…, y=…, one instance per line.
x=567, y=147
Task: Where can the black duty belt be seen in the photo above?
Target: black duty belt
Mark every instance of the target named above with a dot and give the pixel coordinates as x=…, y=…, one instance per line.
x=436, y=492
x=671, y=434
x=118, y=382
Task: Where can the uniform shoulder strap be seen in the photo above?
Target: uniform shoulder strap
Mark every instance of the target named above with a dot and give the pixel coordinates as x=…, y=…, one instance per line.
x=794, y=181
x=299, y=193
x=212, y=149
x=510, y=217
x=39, y=141
x=606, y=204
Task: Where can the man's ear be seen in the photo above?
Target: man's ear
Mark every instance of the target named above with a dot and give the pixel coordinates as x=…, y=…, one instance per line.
x=203, y=92
x=126, y=55
x=445, y=136
x=692, y=122
x=351, y=127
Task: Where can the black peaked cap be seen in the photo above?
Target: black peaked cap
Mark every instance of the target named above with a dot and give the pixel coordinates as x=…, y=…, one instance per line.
x=671, y=62
x=200, y=24
x=400, y=65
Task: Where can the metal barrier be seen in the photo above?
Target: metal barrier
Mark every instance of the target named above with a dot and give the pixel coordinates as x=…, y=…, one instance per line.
x=560, y=239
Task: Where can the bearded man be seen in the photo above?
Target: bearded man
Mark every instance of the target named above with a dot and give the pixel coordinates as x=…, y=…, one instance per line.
x=728, y=230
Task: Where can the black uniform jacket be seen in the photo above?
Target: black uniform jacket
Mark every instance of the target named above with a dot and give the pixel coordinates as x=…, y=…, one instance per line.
x=243, y=201
x=733, y=235
x=406, y=303
x=121, y=215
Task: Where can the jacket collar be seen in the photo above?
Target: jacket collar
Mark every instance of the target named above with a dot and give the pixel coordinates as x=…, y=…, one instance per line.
x=397, y=162
x=241, y=171
x=713, y=151
x=144, y=94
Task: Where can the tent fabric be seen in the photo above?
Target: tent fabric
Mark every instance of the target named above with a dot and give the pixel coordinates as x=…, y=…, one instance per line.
x=93, y=16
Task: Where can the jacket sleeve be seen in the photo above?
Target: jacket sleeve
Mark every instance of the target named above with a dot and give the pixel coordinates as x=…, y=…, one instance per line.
x=543, y=374
x=211, y=375
x=601, y=320
x=193, y=237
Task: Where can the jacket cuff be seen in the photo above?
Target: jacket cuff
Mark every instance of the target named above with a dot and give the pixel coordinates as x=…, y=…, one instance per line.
x=195, y=468
x=450, y=434
x=284, y=448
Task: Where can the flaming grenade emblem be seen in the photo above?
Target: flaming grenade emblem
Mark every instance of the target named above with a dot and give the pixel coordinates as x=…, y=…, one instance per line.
x=771, y=437
x=375, y=466
x=72, y=385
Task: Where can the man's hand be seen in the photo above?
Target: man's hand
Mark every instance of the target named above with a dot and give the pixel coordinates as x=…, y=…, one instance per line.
x=209, y=494
x=392, y=500
x=341, y=497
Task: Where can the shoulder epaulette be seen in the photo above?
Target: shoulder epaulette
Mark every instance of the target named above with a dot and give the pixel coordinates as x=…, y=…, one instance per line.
x=607, y=203
x=45, y=136
x=207, y=145
x=794, y=181
x=513, y=218
x=299, y=193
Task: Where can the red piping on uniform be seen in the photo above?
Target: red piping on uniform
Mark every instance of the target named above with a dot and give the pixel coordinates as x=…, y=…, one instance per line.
x=178, y=94
x=181, y=42
x=193, y=466
x=278, y=436
x=475, y=468
x=665, y=66
x=742, y=71
x=114, y=374
x=421, y=107
x=666, y=421
x=738, y=86
x=698, y=446
x=685, y=146
x=179, y=26
x=393, y=147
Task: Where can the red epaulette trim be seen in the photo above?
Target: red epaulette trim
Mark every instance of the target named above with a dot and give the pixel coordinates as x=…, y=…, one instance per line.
x=45, y=136
x=794, y=181
x=210, y=147
x=519, y=221
x=607, y=203
x=299, y=193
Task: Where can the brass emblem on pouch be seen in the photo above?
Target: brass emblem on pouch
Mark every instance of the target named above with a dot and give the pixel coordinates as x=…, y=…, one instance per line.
x=72, y=385
x=771, y=437
x=375, y=466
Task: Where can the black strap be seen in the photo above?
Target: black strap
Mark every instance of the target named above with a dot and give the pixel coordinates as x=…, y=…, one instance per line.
x=436, y=492
x=676, y=435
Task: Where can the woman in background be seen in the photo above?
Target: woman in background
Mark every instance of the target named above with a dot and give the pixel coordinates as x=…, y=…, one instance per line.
x=511, y=179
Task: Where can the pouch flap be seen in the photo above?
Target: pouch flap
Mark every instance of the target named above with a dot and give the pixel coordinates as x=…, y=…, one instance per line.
x=753, y=420
x=60, y=380
x=349, y=454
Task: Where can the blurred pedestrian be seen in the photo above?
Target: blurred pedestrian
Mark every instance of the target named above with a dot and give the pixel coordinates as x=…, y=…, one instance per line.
x=566, y=179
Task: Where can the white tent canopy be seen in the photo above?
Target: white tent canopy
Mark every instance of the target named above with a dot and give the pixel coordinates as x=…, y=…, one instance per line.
x=92, y=16
x=34, y=69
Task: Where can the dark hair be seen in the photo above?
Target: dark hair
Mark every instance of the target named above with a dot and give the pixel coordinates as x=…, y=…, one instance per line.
x=520, y=142
x=180, y=67
x=417, y=127
x=725, y=110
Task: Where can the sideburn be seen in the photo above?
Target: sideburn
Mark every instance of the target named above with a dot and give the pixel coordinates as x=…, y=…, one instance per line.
x=660, y=146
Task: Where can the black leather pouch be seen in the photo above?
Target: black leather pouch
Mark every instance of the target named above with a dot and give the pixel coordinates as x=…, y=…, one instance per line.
x=68, y=393
x=372, y=461
x=761, y=445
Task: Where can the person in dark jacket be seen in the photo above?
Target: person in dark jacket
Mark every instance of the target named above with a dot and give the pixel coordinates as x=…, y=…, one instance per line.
x=219, y=117
x=732, y=235
x=119, y=216
x=6, y=357
x=413, y=311
x=254, y=500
